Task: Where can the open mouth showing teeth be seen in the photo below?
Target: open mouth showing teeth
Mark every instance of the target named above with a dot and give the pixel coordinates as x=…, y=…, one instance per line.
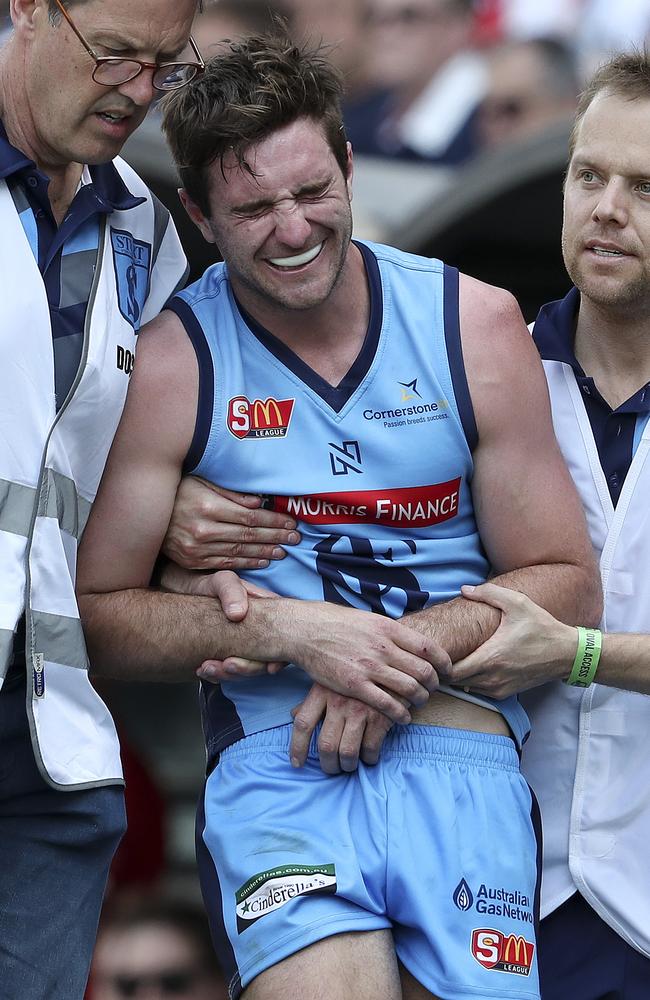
x=110, y=117
x=299, y=259
x=607, y=253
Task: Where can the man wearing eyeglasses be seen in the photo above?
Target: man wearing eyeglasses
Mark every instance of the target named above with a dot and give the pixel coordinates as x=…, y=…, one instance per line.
x=87, y=255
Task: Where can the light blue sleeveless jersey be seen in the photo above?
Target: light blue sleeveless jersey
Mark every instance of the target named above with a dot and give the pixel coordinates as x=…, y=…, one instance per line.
x=377, y=471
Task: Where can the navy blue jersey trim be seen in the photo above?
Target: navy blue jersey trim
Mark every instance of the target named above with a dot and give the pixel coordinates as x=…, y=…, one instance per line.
x=536, y=820
x=221, y=723
x=213, y=898
x=335, y=396
x=205, y=403
x=455, y=356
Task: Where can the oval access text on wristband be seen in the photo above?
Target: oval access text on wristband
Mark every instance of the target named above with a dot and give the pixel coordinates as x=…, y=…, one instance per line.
x=587, y=657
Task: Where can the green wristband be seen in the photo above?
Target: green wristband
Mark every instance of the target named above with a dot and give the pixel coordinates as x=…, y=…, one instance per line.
x=584, y=667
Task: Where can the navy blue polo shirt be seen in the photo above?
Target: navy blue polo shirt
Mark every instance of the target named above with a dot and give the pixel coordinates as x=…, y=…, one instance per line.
x=616, y=432
x=67, y=254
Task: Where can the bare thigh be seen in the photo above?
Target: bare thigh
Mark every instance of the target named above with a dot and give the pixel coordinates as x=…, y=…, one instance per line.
x=411, y=988
x=360, y=965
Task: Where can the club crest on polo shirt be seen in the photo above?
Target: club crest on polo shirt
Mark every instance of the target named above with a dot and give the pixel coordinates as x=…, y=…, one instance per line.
x=268, y=891
x=132, y=262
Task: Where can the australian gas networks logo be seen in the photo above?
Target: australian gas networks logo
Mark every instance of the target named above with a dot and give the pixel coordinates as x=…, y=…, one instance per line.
x=495, y=901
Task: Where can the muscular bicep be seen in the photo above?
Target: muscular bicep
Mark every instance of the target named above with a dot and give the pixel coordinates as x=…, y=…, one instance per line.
x=136, y=495
x=526, y=505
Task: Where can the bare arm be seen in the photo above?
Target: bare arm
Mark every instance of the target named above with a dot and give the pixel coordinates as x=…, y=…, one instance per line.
x=529, y=516
x=136, y=632
x=531, y=640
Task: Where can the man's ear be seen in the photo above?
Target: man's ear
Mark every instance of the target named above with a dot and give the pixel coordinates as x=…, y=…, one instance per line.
x=350, y=170
x=23, y=11
x=196, y=215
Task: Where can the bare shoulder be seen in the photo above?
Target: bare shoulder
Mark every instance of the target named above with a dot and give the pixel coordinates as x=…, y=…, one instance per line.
x=501, y=361
x=489, y=315
x=163, y=393
x=164, y=349
x=496, y=341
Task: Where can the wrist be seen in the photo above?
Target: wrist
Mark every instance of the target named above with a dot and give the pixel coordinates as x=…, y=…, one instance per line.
x=586, y=659
x=274, y=623
x=563, y=652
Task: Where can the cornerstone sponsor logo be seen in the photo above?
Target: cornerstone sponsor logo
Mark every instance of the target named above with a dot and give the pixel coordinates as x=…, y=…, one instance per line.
x=417, y=506
x=502, y=952
x=416, y=413
x=259, y=418
x=410, y=390
x=269, y=890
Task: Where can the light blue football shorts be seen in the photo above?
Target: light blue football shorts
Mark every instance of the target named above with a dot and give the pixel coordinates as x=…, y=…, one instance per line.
x=437, y=842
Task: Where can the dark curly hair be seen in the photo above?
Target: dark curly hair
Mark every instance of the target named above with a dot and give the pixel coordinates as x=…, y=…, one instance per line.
x=251, y=89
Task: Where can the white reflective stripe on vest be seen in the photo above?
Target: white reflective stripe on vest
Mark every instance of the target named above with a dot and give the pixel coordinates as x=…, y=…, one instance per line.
x=587, y=757
x=51, y=467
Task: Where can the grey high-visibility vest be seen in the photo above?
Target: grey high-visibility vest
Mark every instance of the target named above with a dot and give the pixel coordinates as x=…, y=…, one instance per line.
x=587, y=757
x=51, y=463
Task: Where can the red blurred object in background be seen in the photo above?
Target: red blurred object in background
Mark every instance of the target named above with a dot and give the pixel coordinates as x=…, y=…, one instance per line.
x=488, y=22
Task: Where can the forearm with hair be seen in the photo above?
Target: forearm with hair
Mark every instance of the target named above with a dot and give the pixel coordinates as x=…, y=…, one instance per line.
x=625, y=662
x=567, y=591
x=154, y=635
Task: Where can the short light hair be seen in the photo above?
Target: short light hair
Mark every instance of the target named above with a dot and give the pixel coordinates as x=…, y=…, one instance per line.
x=248, y=91
x=626, y=75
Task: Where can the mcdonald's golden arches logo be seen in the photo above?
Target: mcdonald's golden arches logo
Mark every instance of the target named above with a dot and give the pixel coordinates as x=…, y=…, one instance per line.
x=259, y=418
x=503, y=952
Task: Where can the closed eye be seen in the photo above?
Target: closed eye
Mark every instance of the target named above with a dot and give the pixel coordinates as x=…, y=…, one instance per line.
x=313, y=194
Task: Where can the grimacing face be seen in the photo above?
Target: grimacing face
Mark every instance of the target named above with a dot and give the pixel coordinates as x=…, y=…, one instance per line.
x=70, y=118
x=606, y=230
x=284, y=231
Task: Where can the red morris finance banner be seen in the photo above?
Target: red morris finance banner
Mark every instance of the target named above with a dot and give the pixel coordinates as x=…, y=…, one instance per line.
x=416, y=506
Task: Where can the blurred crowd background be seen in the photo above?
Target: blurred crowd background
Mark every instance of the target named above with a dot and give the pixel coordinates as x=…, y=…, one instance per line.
x=441, y=80
x=459, y=114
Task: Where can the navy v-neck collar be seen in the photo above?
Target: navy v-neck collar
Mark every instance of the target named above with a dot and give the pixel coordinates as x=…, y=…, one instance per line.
x=335, y=396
